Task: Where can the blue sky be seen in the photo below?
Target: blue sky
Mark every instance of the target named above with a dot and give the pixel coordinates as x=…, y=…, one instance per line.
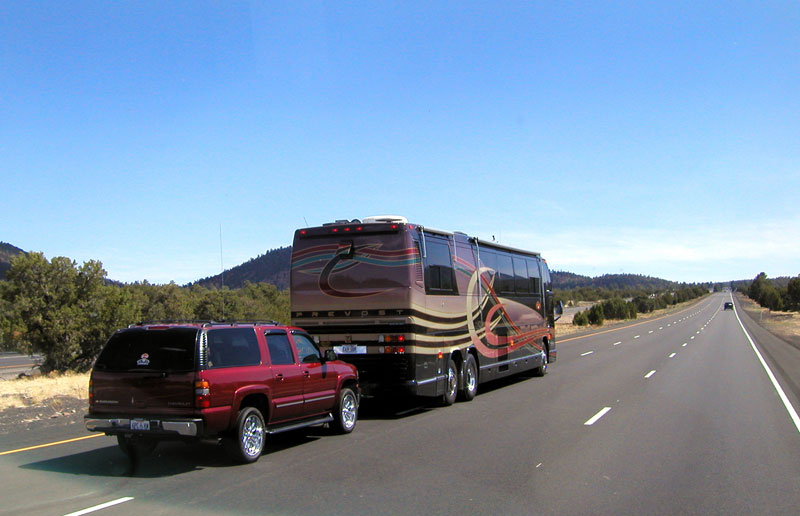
x=658, y=138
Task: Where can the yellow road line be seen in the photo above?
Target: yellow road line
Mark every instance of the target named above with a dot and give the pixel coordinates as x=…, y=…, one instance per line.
x=51, y=444
x=561, y=341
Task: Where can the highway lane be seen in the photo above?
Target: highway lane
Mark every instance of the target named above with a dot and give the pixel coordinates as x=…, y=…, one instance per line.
x=12, y=364
x=684, y=421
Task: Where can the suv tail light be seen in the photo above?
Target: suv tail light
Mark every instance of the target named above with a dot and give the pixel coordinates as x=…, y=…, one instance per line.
x=91, y=393
x=202, y=394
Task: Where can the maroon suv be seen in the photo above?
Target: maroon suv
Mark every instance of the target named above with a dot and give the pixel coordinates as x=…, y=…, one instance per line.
x=236, y=381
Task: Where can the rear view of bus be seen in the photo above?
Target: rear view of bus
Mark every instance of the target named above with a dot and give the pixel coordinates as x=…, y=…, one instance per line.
x=421, y=311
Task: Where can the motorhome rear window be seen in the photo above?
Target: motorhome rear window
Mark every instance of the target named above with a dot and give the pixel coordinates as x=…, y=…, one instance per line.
x=163, y=350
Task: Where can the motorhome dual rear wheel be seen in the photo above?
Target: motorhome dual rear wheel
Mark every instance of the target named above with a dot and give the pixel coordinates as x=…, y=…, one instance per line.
x=470, y=378
x=451, y=384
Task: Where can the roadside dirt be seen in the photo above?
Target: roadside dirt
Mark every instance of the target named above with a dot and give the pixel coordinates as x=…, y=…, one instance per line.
x=59, y=411
x=784, y=325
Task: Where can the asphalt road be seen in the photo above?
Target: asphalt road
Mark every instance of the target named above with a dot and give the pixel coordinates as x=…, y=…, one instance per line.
x=670, y=416
x=13, y=364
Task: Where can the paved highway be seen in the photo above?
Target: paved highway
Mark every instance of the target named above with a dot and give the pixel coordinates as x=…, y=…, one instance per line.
x=13, y=364
x=669, y=416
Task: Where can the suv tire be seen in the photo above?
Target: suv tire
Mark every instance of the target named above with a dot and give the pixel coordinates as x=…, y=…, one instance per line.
x=247, y=442
x=346, y=414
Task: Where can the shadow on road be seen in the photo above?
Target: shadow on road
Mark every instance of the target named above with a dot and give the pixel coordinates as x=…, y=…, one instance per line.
x=169, y=458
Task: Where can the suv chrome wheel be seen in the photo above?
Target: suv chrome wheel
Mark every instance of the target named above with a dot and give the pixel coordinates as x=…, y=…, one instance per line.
x=248, y=442
x=347, y=413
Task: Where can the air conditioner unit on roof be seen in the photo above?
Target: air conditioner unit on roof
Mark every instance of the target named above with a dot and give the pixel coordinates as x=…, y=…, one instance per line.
x=397, y=219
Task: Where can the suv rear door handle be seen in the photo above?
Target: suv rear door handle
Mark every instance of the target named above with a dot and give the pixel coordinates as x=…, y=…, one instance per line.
x=279, y=377
x=306, y=374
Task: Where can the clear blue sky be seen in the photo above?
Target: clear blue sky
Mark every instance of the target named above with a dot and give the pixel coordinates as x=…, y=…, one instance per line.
x=658, y=138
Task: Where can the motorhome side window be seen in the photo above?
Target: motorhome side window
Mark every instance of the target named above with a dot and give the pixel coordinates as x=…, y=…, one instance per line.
x=506, y=273
x=546, y=277
x=533, y=276
x=439, y=276
x=521, y=283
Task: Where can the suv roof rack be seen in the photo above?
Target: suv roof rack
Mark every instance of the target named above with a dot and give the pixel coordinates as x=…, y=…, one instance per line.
x=172, y=321
x=205, y=322
x=254, y=323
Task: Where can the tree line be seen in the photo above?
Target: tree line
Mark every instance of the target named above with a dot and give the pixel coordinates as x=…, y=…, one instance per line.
x=768, y=294
x=618, y=308
x=66, y=312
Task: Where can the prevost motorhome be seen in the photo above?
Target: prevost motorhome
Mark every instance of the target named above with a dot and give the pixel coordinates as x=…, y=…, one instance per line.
x=419, y=310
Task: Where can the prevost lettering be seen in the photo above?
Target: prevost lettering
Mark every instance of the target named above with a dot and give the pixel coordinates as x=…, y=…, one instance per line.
x=353, y=313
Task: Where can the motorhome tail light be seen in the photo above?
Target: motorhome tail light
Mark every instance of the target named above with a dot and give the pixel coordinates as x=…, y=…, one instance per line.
x=303, y=231
x=397, y=350
x=202, y=394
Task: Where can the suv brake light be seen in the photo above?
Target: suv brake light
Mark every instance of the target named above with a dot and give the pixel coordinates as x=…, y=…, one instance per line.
x=202, y=394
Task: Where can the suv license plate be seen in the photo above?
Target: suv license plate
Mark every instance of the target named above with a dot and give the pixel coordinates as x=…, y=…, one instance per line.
x=350, y=349
x=140, y=424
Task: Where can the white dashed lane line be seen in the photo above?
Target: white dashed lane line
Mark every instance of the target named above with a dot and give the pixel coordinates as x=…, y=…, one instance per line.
x=587, y=353
x=651, y=373
x=597, y=416
x=101, y=506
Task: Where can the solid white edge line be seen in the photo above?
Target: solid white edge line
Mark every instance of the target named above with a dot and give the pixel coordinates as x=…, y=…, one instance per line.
x=786, y=403
x=101, y=506
x=597, y=416
x=651, y=373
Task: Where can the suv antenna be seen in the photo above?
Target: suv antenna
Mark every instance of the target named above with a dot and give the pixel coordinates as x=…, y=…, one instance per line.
x=222, y=273
x=304, y=220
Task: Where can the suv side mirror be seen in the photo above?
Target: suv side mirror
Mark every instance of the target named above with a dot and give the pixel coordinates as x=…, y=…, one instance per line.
x=559, y=311
x=330, y=355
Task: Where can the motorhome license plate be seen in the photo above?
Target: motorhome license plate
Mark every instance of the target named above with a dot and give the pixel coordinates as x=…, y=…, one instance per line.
x=139, y=424
x=350, y=349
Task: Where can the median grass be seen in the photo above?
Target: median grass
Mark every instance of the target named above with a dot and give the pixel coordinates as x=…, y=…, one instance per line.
x=43, y=390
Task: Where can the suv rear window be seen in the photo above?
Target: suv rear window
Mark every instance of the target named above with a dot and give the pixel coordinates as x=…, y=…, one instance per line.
x=167, y=350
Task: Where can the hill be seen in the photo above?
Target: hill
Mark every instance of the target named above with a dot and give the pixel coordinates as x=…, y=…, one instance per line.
x=271, y=267
x=7, y=252
x=567, y=280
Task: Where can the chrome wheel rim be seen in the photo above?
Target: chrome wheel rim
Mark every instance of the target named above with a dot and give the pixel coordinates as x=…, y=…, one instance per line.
x=252, y=435
x=452, y=384
x=472, y=380
x=349, y=410
x=544, y=360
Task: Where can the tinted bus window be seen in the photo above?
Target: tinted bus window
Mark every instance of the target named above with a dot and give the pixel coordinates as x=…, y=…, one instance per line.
x=533, y=277
x=546, y=277
x=520, y=276
x=439, y=277
x=506, y=270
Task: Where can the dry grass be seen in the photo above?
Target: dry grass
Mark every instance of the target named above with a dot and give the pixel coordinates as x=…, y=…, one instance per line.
x=782, y=324
x=43, y=390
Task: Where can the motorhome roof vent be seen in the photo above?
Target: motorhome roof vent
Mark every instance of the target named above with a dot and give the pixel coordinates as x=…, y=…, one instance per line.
x=397, y=219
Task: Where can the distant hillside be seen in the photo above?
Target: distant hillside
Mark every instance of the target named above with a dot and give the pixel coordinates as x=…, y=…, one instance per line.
x=7, y=252
x=567, y=280
x=271, y=267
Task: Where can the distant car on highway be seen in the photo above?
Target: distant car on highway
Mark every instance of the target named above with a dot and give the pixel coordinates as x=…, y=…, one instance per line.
x=728, y=305
x=237, y=381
